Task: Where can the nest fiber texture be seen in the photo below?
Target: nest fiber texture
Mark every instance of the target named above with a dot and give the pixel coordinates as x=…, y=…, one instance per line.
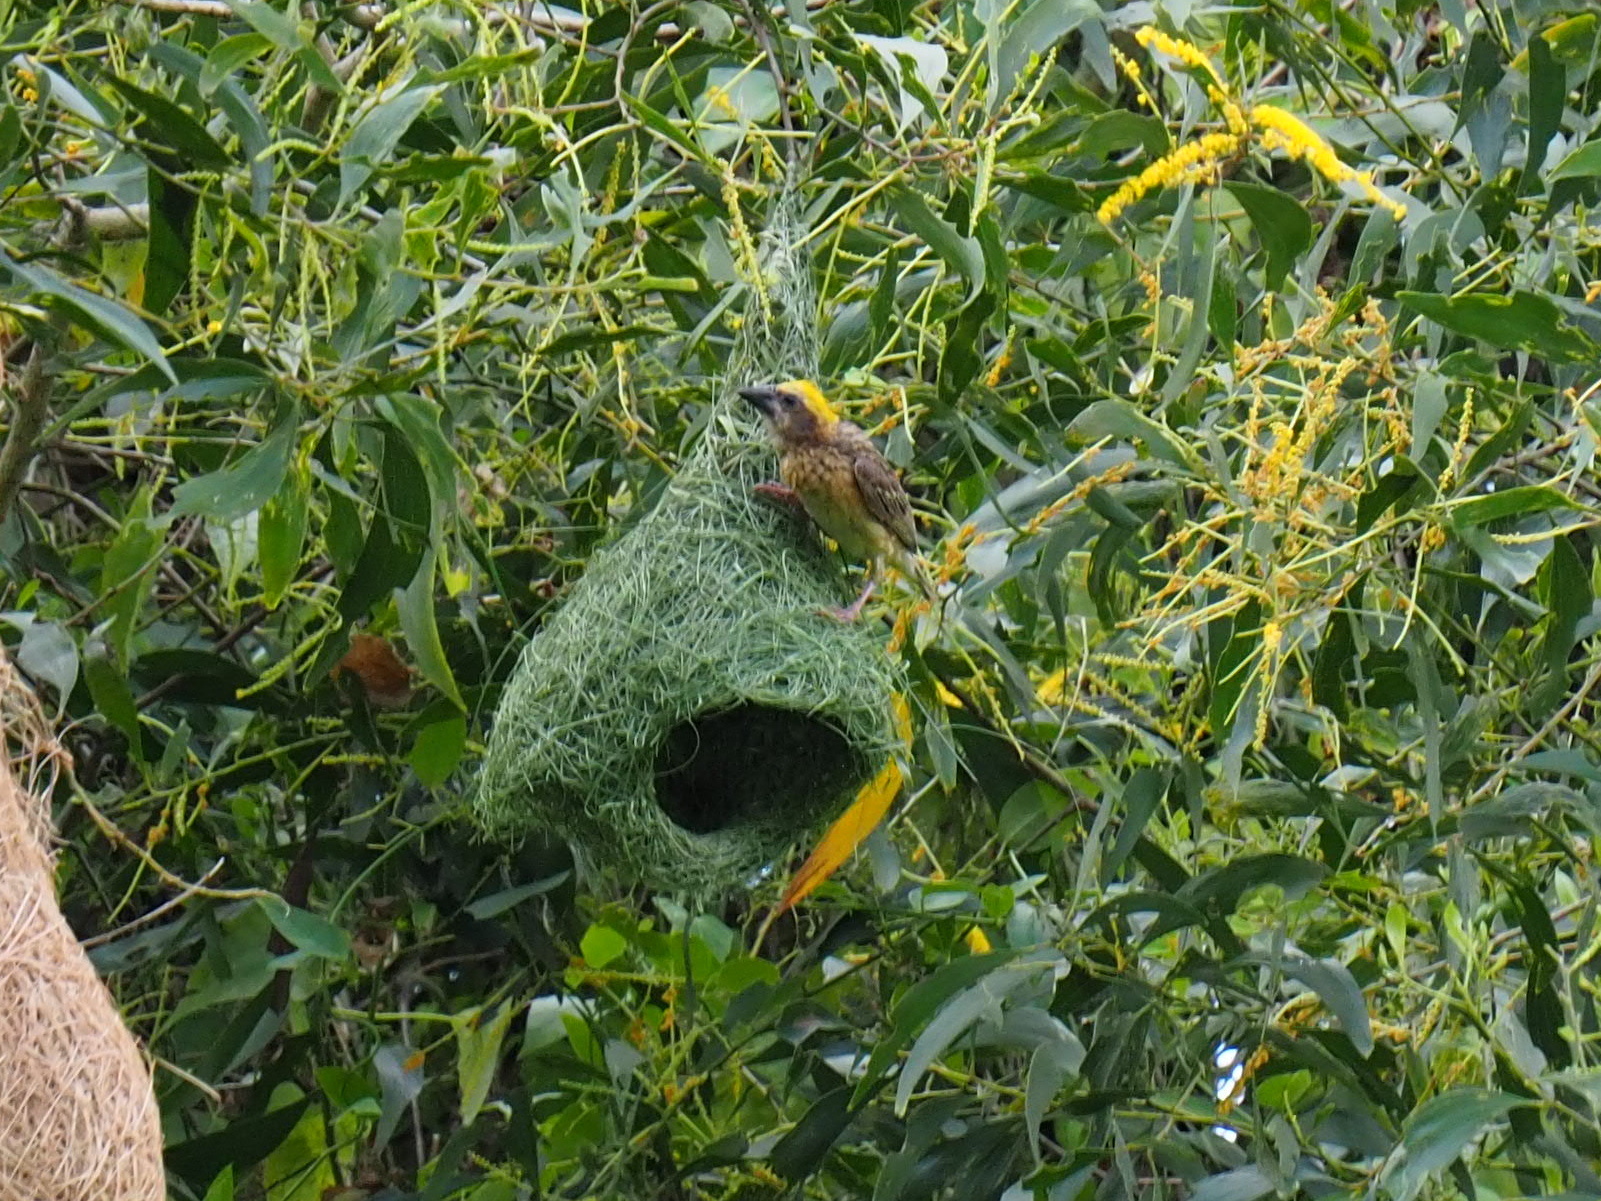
x=78, y=1121
x=690, y=713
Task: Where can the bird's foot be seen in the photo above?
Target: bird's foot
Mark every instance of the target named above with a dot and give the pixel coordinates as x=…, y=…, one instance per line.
x=853, y=611
x=781, y=494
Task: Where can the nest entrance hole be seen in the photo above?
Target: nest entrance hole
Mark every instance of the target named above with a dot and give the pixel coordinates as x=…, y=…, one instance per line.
x=751, y=765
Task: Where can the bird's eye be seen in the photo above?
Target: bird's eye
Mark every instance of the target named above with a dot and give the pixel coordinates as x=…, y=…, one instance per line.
x=788, y=398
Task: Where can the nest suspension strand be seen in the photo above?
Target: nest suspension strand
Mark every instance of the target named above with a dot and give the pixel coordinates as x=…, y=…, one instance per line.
x=690, y=713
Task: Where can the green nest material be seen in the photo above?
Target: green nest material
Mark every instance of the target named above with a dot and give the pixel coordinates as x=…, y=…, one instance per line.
x=690, y=713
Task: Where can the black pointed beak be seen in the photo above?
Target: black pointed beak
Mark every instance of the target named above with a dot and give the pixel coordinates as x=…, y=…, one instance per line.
x=762, y=396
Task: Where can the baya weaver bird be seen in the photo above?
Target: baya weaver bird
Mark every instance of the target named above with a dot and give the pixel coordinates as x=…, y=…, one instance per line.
x=834, y=472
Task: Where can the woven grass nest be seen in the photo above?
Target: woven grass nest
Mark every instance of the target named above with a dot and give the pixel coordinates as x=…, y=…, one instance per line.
x=78, y=1120
x=690, y=713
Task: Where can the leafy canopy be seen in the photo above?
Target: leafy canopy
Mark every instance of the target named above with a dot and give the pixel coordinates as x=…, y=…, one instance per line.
x=1240, y=358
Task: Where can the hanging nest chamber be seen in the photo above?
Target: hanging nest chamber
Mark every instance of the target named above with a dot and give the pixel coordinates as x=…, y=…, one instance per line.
x=78, y=1120
x=691, y=713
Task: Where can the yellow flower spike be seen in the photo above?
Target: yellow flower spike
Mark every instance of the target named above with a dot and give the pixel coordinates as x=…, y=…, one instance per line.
x=1131, y=71
x=1190, y=162
x=1191, y=55
x=1284, y=131
x=1272, y=637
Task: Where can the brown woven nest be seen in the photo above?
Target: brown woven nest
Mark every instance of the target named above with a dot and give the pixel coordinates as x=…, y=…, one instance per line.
x=78, y=1120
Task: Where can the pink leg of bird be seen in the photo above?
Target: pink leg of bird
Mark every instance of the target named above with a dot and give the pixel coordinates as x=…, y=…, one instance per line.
x=781, y=494
x=854, y=610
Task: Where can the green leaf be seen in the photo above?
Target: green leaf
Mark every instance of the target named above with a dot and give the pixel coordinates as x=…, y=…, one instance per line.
x=415, y=605
x=919, y=1004
x=103, y=316
x=228, y=55
x=49, y=654
x=1053, y=1063
x=401, y=1078
x=1513, y=813
x=245, y=485
x=1281, y=222
x=486, y=66
x=1034, y=33
x=244, y=1142
x=310, y=933
x=980, y=1000
x=126, y=574
x=386, y=561
x=800, y=1152
x=1542, y=1003
x=1121, y=419
x=1336, y=664
x=1438, y=1131
x=113, y=700
x=1583, y=163
x=1511, y=502
x=170, y=123
x=959, y=361
x=10, y=134
x=1564, y=589
x=1222, y=888
x=1059, y=193
x=601, y=945
x=199, y=677
x=1141, y=795
x=1481, y=71
x=222, y=1187
x=377, y=133
x=497, y=903
x=1241, y=1184
x=417, y=419
x=1548, y=89
x=1119, y=130
x=281, y=535
x=1201, y=269
x=437, y=749
x=299, y=1167
x=1569, y=762
x=881, y=309
x=1520, y=321
x=395, y=546
x=665, y=129
x=962, y=254
x=1338, y=990
x=281, y=28
x=478, y=1057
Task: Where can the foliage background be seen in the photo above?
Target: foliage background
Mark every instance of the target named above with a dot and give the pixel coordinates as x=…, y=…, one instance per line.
x=1254, y=745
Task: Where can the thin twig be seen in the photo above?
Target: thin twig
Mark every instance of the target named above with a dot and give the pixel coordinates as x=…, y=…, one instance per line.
x=74, y=498
x=1580, y=695
x=197, y=8
x=166, y=906
x=758, y=29
x=114, y=832
x=188, y=1078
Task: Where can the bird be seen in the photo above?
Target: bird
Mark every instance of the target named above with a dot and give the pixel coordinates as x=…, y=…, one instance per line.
x=835, y=473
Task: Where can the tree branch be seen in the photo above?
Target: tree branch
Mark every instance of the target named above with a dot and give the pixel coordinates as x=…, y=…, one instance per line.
x=28, y=411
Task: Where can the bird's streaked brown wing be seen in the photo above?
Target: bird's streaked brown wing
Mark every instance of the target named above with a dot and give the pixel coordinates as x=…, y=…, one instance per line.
x=882, y=492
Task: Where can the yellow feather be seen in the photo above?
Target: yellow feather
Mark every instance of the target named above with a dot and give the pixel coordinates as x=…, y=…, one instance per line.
x=814, y=400
x=846, y=834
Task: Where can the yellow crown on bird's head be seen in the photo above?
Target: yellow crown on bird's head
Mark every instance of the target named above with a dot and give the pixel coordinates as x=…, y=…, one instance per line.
x=812, y=397
x=782, y=403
